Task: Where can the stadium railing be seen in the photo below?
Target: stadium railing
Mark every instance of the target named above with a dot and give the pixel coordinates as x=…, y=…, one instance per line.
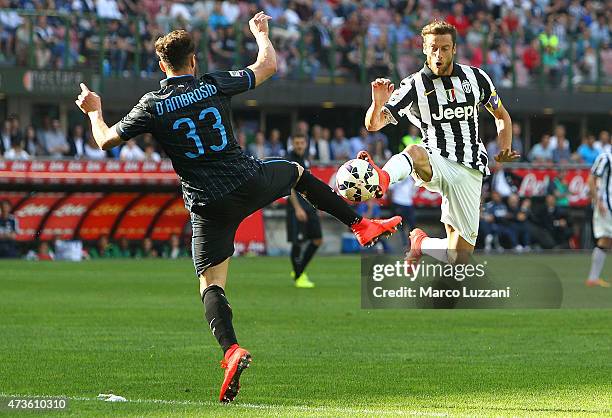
x=306, y=59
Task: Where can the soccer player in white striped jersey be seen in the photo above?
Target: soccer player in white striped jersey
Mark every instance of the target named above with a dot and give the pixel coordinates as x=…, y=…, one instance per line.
x=442, y=100
x=600, y=191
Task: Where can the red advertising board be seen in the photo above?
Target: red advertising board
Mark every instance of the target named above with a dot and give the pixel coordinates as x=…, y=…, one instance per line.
x=251, y=235
x=535, y=183
x=102, y=173
x=87, y=172
x=171, y=221
x=66, y=217
x=104, y=214
x=31, y=213
x=136, y=221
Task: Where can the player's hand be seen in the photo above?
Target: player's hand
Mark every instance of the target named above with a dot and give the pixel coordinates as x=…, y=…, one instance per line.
x=259, y=24
x=301, y=215
x=507, y=156
x=382, y=88
x=88, y=101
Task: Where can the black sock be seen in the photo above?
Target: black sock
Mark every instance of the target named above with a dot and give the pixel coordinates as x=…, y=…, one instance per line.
x=324, y=198
x=309, y=252
x=296, y=256
x=218, y=315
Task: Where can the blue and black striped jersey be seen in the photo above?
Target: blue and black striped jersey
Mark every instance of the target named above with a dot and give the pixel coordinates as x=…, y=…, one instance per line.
x=191, y=120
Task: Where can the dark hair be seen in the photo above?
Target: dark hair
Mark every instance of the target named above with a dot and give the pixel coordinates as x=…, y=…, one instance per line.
x=296, y=136
x=439, y=27
x=175, y=49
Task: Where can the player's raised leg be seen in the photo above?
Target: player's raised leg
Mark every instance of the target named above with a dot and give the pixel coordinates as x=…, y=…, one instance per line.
x=413, y=159
x=367, y=231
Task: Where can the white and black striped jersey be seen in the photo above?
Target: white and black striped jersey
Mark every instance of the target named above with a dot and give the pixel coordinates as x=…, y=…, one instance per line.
x=602, y=168
x=445, y=109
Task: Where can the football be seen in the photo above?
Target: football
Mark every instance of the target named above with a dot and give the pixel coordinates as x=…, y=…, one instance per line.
x=357, y=180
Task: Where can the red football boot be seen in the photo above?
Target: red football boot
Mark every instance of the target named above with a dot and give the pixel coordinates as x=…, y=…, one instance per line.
x=383, y=176
x=369, y=231
x=417, y=236
x=236, y=360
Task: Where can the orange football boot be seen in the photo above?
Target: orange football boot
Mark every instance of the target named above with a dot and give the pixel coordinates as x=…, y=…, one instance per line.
x=369, y=231
x=417, y=236
x=236, y=360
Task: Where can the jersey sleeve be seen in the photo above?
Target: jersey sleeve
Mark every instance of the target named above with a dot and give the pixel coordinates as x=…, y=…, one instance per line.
x=489, y=98
x=233, y=82
x=135, y=123
x=599, y=167
x=400, y=101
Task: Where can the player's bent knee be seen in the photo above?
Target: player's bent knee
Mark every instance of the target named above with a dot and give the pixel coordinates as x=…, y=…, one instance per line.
x=417, y=153
x=604, y=243
x=214, y=275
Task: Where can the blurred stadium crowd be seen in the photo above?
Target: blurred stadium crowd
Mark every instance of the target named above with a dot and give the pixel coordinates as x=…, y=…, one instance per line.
x=327, y=145
x=368, y=38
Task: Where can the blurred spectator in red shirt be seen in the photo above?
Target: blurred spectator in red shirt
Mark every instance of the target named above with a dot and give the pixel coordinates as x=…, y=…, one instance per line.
x=459, y=20
x=531, y=56
x=510, y=22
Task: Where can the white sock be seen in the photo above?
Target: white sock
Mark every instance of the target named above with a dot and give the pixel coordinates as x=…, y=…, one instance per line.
x=399, y=167
x=436, y=248
x=597, y=262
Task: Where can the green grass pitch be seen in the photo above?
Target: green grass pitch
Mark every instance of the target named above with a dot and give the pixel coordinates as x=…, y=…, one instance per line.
x=136, y=329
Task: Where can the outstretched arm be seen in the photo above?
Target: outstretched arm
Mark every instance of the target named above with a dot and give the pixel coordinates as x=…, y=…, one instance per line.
x=91, y=104
x=265, y=65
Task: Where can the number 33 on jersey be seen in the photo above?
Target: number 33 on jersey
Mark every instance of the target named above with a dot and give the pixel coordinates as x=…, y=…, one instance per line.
x=191, y=120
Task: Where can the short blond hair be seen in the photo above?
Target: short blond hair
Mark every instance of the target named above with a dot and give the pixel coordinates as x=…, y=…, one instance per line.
x=439, y=27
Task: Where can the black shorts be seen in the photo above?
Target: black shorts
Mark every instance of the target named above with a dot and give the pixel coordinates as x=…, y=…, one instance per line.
x=303, y=231
x=214, y=225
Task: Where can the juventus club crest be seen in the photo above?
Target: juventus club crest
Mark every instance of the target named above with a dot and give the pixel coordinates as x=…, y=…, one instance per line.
x=466, y=86
x=450, y=95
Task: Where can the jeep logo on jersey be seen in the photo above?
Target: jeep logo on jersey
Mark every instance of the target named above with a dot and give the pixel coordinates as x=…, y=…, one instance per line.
x=466, y=86
x=464, y=112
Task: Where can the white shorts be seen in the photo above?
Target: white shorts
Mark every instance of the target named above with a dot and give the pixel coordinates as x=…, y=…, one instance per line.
x=460, y=188
x=602, y=224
